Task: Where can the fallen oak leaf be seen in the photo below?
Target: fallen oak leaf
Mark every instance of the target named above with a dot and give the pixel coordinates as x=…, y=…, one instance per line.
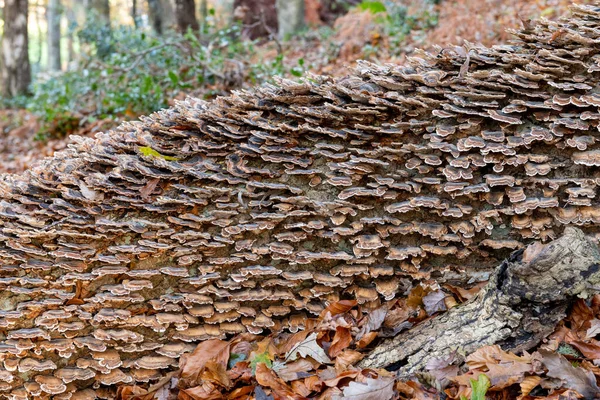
x=381, y=388
x=576, y=378
x=308, y=348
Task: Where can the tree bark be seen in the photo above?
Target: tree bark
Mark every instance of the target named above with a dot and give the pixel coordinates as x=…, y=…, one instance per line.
x=16, y=72
x=185, y=15
x=53, y=13
x=521, y=304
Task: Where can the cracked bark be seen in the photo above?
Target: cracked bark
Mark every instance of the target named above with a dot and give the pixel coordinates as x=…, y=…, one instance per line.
x=524, y=300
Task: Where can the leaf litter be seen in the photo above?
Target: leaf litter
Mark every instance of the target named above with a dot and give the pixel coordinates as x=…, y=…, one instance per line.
x=320, y=362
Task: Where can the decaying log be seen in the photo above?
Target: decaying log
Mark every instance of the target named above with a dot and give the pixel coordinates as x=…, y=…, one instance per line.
x=521, y=304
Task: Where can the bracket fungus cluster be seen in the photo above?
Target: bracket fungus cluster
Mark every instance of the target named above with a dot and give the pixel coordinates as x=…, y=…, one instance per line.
x=253, y=211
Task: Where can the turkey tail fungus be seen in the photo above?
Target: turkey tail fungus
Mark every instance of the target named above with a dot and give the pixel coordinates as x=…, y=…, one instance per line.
x=248, y=213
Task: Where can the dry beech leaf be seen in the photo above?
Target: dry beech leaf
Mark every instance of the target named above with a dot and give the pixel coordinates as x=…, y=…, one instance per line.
x=576, y=378
x=243, y=392
x=434, y=302
x=507, y=374
x=344, y=375
x=589, y=350
x=528, y=384
x=493, y=355
x=308, y=348
x=192, y=365
x=341, y=340
x=594, y=329
x=206, y=391
x=338, y=307
x=294, y=370
x=267, y=378
x=366, y=340
x=381, y=388
x=580, y=315
x=347, y=358
x=372, y=322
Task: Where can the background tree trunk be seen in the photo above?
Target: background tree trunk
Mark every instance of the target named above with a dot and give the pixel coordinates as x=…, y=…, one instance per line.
x=259, y=17
x=16, y=72
x=134, y=13
x=161, y=15
x=290, y=16
x=185, y=15
x=53, y=13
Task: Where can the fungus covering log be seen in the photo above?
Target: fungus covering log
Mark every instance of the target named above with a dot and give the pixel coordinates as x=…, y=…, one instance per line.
x=248, y=213
x=521, y=304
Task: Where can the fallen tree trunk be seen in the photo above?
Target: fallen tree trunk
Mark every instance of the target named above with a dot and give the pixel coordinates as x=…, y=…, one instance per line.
x=521, y=304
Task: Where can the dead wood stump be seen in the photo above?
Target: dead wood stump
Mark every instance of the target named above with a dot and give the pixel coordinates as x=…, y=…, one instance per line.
x=521, y=304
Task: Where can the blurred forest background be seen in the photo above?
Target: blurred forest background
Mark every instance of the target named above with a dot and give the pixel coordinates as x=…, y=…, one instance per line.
x=81, y=66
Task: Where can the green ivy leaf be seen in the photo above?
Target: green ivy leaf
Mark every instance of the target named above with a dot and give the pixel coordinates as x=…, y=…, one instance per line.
x=480, y=387
x=173, y=77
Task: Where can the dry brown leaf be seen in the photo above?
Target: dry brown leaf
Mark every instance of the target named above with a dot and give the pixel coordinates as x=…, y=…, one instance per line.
x=300, y=388
x=267, y=378
x=507, y=374
x=290, y=341
x=576, y=378
x=241, y=393
x=372, y=321
x=590, y=350
x=205, y=391
x=347, y=375
x=594, y=329
x=528, y=384
x=434, y=302
x=381, y=388
x=308, y=348
x=366, y=340
x=338, y=307
x=341, y=340
x=216, y=372
x=347, y=358
x=465, y=294
x=493, y=355
x=192, y=365
x=294, y=370
x=581, y=315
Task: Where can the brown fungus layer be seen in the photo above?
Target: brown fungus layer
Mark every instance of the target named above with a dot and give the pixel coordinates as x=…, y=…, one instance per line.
x=253, y=211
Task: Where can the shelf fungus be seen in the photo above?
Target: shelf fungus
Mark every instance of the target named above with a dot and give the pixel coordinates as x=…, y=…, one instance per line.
x=254, y=211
